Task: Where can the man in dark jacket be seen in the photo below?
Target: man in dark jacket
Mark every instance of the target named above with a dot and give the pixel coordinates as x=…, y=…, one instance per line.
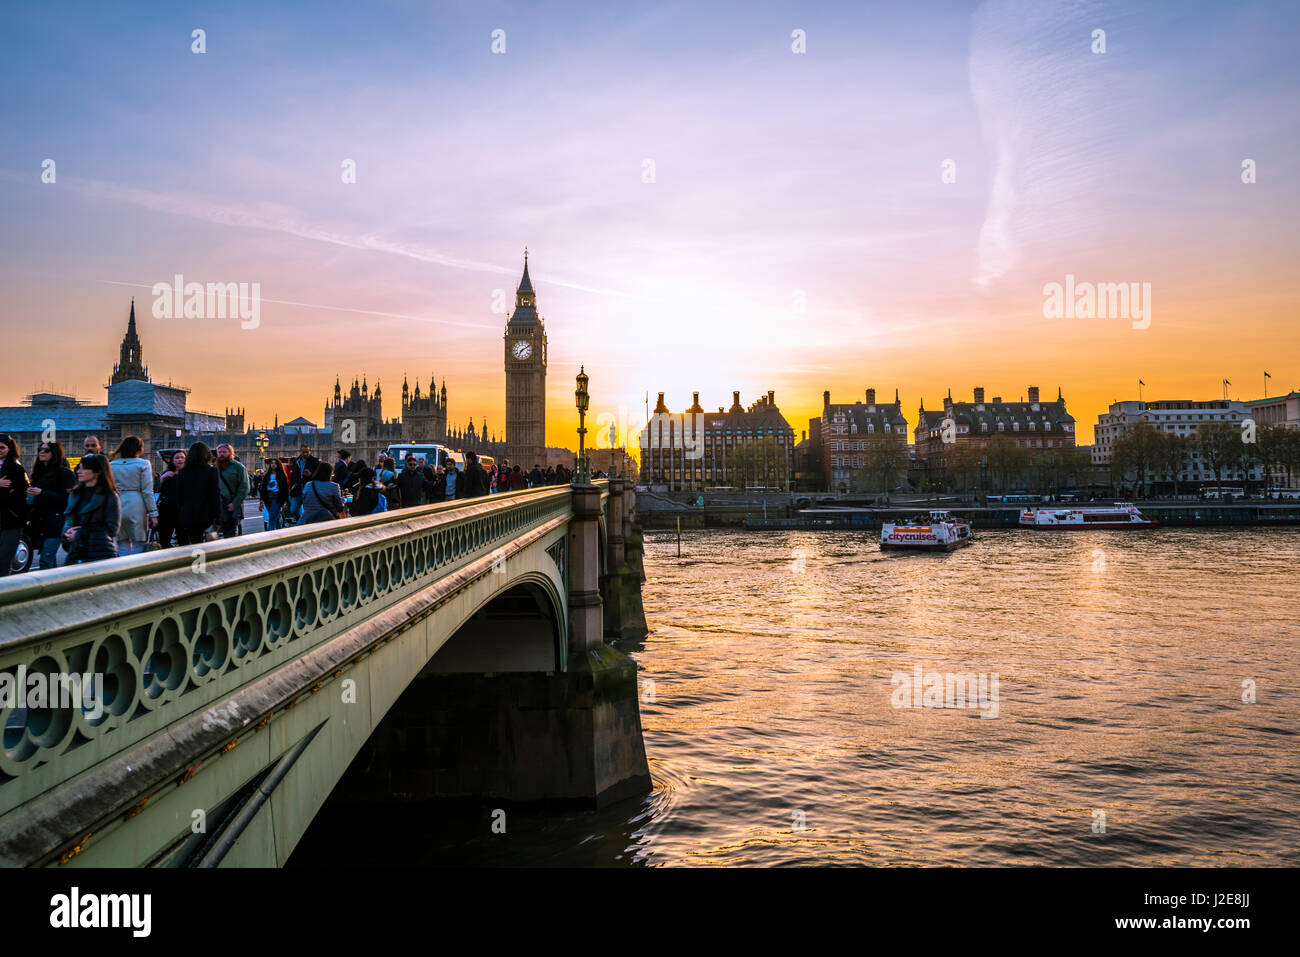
x=301, y=469
x=343, y=468
x=412, y=484
x=474, y=481
x=535, y=477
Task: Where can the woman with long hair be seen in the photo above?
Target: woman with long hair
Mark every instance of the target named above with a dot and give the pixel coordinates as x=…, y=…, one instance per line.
x=198, y=496
x=94, y=513
x=168, y=498
x=133, y=477
x=13, y=502
x=47, y=497
x=322, y=499
x=274, y=493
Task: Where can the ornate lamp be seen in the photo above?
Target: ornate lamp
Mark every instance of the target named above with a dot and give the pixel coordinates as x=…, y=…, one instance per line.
x=583, y=401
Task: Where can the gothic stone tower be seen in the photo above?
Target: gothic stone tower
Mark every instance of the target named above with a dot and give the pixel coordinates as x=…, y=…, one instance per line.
x=525, y=360
x=356, y=419
x=130, y=364
x=424, y=417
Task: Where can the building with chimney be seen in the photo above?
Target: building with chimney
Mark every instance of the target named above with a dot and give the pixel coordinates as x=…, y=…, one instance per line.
x=1028, y=423
x=847, y=432
x=735, y=447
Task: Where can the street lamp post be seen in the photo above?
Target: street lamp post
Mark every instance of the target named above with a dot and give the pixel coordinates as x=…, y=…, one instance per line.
x=582, y=398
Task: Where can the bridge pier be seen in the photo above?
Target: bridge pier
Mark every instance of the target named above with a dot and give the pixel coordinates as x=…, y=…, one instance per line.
x=620, y=586
x=568, y=737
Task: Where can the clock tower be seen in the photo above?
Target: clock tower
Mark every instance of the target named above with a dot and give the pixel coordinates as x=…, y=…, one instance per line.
x=525, y=358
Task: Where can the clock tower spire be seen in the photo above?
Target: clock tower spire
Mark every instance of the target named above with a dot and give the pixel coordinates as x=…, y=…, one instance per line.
x=525, y=366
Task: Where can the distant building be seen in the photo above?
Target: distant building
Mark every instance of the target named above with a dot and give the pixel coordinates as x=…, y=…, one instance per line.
x=808, y=473
x=1283, y=410
x=136, y=406
x=847, y=432
x=1034, y=425
x=1180, y=417
x=694, y=450
x=158, y=414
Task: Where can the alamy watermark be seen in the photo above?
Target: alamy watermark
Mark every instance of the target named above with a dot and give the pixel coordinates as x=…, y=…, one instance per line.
x=1100, y=300
x=24, y=690
x=215, y=300
x=945, y=689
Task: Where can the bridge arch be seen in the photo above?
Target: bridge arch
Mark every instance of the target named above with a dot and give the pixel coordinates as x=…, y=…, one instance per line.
x=521, y=627
x=284, y=651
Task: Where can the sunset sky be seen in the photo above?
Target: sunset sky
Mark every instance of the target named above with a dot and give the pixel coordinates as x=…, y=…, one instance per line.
x=797, y=234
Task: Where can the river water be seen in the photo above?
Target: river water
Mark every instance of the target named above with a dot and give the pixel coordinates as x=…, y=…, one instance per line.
x=1120, y=736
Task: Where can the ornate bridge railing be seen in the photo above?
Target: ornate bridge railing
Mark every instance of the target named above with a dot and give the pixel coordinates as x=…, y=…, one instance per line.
x=176, y=631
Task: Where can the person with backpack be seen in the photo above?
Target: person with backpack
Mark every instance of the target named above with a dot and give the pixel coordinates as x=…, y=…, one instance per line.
x=234, y=489
x=370, y=498
x=322, y=499
x=301, y=470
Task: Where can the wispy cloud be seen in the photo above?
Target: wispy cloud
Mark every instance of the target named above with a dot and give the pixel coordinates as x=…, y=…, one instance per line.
x=1047, y=106
x=276, y=218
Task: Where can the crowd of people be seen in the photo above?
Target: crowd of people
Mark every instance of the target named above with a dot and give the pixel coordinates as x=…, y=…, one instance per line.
x=308, y=490
x=114, y=505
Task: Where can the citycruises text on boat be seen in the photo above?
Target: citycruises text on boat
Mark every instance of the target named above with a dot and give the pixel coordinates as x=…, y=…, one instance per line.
x=1119, y=515
x=941, y=532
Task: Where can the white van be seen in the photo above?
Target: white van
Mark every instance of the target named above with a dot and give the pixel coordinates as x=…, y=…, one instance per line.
x=432, y=453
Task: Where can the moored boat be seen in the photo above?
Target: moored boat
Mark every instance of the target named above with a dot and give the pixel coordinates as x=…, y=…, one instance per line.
x=937, y=532
x=1119, y=515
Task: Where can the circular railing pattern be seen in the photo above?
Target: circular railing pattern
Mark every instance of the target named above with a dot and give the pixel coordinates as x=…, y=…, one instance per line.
x=213, y=633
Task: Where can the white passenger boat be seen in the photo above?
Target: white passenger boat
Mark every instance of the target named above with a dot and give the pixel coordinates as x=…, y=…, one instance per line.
x=939, y=532
x=1119, y=515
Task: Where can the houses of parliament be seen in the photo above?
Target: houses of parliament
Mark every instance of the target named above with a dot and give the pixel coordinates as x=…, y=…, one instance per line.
x=352, y=420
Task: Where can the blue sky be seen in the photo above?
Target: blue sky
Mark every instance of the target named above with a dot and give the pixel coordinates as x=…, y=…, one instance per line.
x=778, y=177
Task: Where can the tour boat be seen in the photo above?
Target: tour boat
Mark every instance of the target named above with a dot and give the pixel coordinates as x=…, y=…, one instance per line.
x=940, y=532
x=1119, y=515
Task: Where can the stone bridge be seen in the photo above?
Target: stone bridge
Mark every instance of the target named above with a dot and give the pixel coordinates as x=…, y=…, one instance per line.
x=453, y=650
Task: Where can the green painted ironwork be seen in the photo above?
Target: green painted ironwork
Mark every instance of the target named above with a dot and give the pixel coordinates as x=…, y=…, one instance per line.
x=175, y=632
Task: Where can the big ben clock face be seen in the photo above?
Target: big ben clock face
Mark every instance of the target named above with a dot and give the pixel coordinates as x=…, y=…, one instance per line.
x=522, y=349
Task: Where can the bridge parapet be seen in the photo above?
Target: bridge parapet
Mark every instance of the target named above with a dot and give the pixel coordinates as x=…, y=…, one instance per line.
x=175, y=632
